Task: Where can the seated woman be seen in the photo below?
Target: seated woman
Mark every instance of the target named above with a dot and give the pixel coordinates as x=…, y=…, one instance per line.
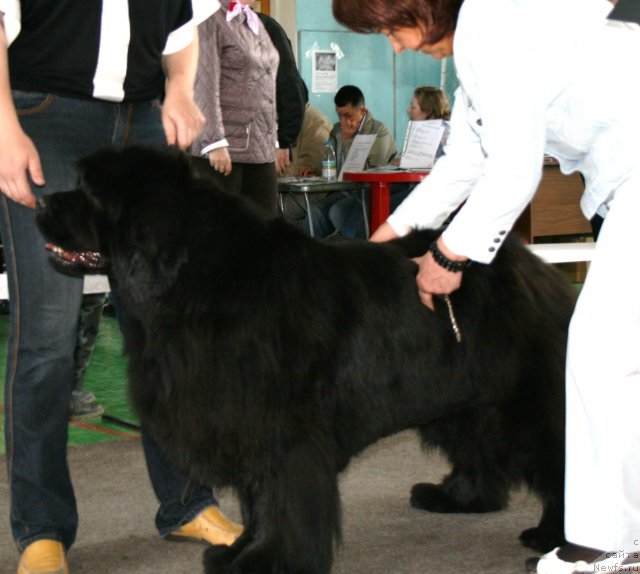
x=345, y=216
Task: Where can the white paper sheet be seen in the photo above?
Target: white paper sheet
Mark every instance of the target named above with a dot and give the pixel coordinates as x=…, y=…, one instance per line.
x=421, y=144
x=358, y=153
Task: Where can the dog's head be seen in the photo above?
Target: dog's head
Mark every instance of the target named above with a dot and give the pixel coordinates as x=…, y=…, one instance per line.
x=126, y=216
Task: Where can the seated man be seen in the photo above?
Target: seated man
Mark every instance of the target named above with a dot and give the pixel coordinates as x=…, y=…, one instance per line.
x=354, y=119
x=427, y=103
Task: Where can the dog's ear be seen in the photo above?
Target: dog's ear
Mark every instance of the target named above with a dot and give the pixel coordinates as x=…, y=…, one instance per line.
x=143, y=195
x=115, y=178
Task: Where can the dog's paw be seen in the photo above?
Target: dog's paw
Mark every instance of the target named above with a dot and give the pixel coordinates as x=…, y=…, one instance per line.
x=241, y=560
x=219, y=559
x=542, y=540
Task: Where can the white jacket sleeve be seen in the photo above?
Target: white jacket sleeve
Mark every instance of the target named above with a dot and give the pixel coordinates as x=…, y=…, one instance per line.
x=455, y=173
x=12, y=18
x=502, y=75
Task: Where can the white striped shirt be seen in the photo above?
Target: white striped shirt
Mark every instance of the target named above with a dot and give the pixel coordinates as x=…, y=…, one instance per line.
x=105, y=49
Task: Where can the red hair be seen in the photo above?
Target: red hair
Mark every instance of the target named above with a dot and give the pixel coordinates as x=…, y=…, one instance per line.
x=436, y=18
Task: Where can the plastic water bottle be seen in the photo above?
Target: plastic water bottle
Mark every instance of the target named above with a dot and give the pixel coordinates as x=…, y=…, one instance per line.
x=329, y=172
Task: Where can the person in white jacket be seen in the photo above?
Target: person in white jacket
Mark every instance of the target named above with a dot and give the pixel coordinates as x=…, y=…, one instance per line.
x=536, y=77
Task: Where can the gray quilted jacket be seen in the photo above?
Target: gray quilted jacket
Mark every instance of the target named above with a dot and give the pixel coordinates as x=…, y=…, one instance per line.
x=236, y=88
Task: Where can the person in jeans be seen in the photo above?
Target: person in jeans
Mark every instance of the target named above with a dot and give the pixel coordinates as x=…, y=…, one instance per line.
x=74, y=77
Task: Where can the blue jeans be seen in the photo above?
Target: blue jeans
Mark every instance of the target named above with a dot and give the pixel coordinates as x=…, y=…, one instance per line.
x=325, y=222
x=44, y=307
x=342, y=212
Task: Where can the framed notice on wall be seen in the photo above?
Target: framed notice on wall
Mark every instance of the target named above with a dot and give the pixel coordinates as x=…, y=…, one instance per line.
x=324, y=71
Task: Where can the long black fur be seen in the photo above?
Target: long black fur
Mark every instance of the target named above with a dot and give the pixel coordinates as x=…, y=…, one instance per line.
x=263, y=359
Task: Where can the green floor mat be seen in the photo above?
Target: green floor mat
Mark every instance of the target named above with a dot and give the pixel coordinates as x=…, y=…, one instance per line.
x=105, y=377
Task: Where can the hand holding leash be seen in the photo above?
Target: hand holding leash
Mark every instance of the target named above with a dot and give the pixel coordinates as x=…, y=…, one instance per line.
x=440, y=272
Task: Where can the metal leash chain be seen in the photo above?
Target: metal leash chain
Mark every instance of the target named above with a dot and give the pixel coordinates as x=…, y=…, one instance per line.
x=452, y=318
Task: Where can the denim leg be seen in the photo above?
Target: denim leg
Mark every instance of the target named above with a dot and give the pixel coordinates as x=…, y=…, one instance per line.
x=322, y=225
x=398, y=193
x=180, y=501
x=44, y=308
x=347, y=216
x=43, y=324
x=43, y=318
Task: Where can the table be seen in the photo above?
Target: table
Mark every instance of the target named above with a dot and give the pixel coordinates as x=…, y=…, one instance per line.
x=308, y=186
x=553, y=211
x=380, y=186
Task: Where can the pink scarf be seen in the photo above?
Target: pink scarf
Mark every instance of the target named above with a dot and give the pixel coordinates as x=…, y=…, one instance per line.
x=235, y=8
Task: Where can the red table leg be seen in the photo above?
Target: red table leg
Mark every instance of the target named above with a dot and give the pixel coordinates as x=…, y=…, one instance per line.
x=379, y=208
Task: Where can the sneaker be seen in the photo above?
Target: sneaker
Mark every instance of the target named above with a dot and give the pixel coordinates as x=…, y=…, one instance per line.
x=82, y=396
x=84, y=406
x=211, y=526
x=43, y=557
x=86, y=411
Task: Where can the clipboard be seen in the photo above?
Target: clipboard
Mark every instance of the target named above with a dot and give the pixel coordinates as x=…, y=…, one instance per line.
x=421, y=142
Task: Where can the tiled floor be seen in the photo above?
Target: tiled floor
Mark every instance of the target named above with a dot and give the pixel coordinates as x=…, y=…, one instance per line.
x=106, y=377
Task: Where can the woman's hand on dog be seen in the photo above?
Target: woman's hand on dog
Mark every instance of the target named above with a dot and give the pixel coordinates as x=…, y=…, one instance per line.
x=432, y=279
x=384, y=233
x=19, y=157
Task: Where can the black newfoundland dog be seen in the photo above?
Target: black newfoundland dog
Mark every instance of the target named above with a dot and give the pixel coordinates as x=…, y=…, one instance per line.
x=263, y=359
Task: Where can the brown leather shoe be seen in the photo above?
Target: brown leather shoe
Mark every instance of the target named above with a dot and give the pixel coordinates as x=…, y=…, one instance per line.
x=43, y=557
x=211, y=526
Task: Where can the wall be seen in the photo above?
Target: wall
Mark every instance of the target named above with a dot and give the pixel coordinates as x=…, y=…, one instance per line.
x=366, y=61
x=284, y=11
